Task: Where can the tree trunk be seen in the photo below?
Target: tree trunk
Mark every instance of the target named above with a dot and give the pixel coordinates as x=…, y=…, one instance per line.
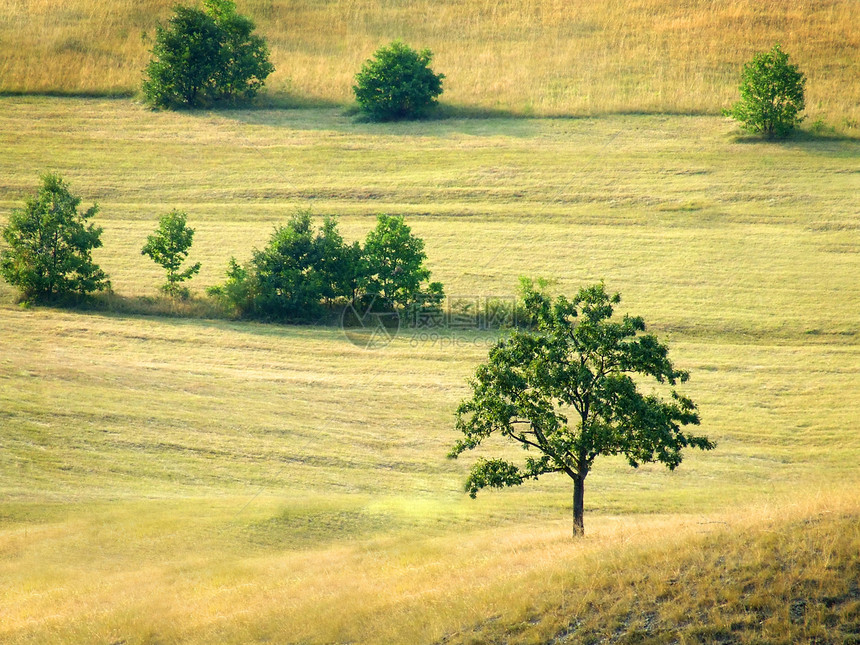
x=578, y=506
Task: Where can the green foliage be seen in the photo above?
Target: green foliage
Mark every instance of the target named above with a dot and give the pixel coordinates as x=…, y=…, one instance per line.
x=393, y=265
x=238, y=291
x=205, y=55
x=304, y=271
x=566, y=391
x=397, y=83
x=290, y=284
x=168, y=246
x=772, y=94
x=295, y=275
x=50, y=245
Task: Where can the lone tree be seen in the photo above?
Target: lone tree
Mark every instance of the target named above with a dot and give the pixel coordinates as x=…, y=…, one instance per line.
x=397, y=83
x=771, y=95
x=203, y=55
x=50, y=245
x=566, y=391
x=168, y=246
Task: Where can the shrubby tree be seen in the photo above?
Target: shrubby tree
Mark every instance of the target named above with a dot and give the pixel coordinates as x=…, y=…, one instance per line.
x=245, y=63
x=397, y=83
x=289, y=282
x=168, y=246
x=772, y=95
x=203, y=55
x=50, y=245
x=299, y=271
x=239, y=289
x=304, y=271
x=338, y=263
x=393, y=265
x=568, y=391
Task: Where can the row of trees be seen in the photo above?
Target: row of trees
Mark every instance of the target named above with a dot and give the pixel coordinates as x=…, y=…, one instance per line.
x=209, y=54
x=302, y=272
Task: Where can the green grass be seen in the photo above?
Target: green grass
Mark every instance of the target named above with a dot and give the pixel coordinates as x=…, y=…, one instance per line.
x=186, y=479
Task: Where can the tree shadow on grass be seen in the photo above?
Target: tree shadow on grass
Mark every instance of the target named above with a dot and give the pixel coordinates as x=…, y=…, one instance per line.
x=798, y=138
x=825, y=144
x=196, y=311
x=308, y=113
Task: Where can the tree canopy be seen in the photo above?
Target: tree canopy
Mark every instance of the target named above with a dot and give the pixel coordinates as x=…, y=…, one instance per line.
x=397, y=83
x=50, y=245
x=393, y=267
x=566, y=390
x=204, y=55
x=772, y=94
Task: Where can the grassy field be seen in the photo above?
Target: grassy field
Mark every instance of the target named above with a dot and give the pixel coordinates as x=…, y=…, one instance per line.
x=542, y=57
x=168, y=479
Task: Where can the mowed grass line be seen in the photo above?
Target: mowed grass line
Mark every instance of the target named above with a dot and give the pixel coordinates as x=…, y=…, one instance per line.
x=194, y=480
x=544, y=57
x=193, y=407
x=722, y=235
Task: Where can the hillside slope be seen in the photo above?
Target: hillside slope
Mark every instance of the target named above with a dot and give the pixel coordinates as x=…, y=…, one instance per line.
x=786, y=581
x=542, y=57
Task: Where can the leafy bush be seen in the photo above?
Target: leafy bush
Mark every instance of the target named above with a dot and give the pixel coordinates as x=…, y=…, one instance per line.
x=397, y=83
x=50, y=245
x=772, y=95
x=168, y=246
x=303, y=272
x=298, y=272
x=393, y=266
x=205, y=55
x=238, y=292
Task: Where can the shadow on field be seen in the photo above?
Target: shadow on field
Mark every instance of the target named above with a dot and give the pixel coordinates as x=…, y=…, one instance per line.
x=195, y=312
x=831, y=144
x=321, y=115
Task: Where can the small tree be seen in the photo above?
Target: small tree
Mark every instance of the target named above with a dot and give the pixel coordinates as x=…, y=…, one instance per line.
x=566, y=391
x=397, y=83
x=50, y=245
x=168, y=246
x=772, y=95
x=393, y=265
x=205, y=55
x=299, y=272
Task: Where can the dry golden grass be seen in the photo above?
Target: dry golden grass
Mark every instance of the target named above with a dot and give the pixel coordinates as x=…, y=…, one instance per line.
x=785, y=576
x=783, y=572
x=536, y=57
